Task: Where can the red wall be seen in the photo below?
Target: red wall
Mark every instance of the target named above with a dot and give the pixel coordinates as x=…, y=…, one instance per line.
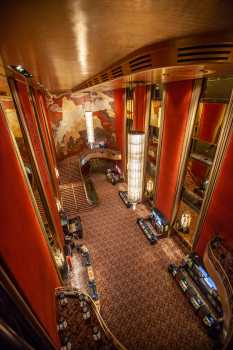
x=219, y=218
x=43, y=120
x=39, y=153
x=119, y=124
x=210, y=121
x=176, y=112
x=48, y=119
x=22, y=244
x=119, y=110
x=140, y=107
x=42, y=115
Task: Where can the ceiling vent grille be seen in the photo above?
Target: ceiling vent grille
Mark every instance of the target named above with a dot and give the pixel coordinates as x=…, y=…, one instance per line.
x=117, y=72
x=104, y=77
x=96, y=81
x=141, y=62
x=205, y=53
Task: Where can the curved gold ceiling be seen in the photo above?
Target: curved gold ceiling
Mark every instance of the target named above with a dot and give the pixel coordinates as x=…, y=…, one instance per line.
x=63, y=43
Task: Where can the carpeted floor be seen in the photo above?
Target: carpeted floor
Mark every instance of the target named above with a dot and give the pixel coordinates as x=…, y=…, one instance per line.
x=140, y=301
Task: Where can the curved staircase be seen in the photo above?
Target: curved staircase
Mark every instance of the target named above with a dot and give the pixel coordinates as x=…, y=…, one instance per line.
x=218, y=261
x=73, y=188
x=74, y=198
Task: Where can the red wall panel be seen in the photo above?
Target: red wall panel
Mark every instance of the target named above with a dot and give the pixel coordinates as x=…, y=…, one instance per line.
x=119, y=110
x=41, y=111
x=39, y=153
x=176, y=112
x=219, y=218
x=140, y=107
x=49, y=119
x=22, y=244
x=38, y=98
x=119, y=121
x=210, y=121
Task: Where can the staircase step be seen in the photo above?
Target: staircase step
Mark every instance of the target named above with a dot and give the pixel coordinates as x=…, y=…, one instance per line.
x=73, y=195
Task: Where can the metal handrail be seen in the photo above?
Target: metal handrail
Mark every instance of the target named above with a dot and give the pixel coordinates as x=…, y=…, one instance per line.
x=222, y=271
x=106, y=153
x=102, y=323
x=228, y=287
x=91, y=202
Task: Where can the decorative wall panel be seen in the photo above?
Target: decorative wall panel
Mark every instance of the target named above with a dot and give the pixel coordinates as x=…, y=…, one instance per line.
x=22, y=245
x=176, y=112
x=39, y=154
x=68, y=120
x=219, y=216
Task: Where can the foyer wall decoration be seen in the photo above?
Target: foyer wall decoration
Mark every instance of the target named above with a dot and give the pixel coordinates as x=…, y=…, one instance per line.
x=68, y=121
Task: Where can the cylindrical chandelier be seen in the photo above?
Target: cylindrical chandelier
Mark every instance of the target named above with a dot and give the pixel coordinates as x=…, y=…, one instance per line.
x=90, y=127
x=136, y=144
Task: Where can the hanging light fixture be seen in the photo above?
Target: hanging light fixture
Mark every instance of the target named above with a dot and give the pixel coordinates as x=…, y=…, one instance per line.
x=90, y=128
x=136, y=144
x=88, y=112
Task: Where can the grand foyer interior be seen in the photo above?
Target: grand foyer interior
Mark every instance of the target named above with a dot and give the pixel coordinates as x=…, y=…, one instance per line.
x=116, y=170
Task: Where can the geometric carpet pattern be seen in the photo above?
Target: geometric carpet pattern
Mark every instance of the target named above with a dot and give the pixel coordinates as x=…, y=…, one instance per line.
x=139, y=300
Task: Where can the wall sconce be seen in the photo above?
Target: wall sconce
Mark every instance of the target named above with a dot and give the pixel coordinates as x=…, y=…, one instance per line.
x=136, y=145
x=58, y=203
x=185, y=222
x=90, y=128
x=149, y=186
x=57, y=173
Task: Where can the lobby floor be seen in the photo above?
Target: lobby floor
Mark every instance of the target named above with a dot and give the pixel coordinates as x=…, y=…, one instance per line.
x=139, y=300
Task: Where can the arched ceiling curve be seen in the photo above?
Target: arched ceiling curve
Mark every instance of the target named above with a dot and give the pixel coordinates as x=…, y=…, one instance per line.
x=65, y=42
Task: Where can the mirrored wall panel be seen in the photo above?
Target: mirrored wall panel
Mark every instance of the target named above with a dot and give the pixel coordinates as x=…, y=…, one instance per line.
x=22, y=143
x=153, y=142
x=129, y=109
x=205, y=137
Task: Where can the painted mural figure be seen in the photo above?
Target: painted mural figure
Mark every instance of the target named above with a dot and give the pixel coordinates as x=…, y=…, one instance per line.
x=68, y=121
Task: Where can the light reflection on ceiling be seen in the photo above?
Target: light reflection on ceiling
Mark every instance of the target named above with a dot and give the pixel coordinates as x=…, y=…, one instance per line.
x=64, y=42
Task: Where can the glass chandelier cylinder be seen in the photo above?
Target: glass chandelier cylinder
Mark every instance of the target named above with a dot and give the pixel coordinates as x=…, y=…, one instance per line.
x=136, y=145
x=90, y=127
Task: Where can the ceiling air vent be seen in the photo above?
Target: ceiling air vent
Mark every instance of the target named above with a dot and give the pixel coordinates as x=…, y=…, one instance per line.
x=104, y=77
x=117, y=72
x=96, y=80
x=205, y=53
x=141, y=62
x=84, y=86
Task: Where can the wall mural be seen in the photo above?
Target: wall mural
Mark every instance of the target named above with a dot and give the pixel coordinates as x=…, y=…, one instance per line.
x=68, y=121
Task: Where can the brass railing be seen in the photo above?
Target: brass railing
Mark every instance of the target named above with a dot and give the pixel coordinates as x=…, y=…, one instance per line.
x=229, y=291
x=101, y=153
x=94, y=307
x=86, y=156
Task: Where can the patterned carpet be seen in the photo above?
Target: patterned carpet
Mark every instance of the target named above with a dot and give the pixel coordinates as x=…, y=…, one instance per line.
x=79, y=332
x=140, y=301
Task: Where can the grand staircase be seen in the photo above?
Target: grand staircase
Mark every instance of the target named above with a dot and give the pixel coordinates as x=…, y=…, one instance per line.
x=73, y=193
x=77, y=192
